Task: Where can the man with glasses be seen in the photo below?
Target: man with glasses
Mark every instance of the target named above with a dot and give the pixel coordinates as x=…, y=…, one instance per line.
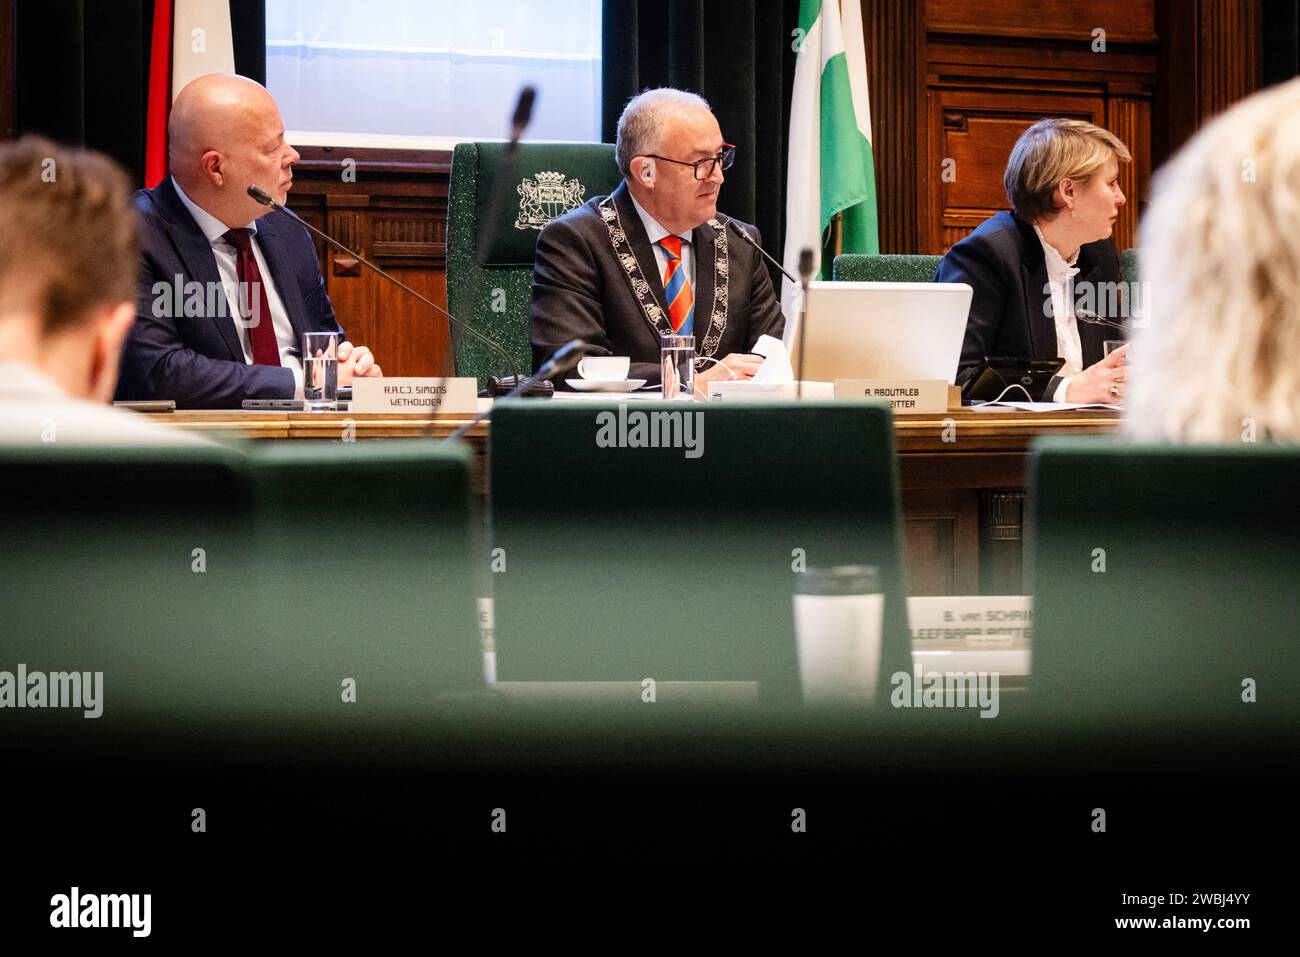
x=654, y=257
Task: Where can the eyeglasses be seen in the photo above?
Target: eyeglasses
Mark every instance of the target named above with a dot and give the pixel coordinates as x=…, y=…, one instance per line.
x=704, y=168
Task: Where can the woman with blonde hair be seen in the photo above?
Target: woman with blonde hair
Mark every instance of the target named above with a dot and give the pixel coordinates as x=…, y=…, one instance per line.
x=1028, y=266
x=1216, y=357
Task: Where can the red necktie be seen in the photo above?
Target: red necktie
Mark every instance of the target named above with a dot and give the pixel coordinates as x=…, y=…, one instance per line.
x=261, y=330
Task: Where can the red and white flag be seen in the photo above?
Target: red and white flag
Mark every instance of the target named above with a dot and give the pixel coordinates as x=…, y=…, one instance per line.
x=191, y=38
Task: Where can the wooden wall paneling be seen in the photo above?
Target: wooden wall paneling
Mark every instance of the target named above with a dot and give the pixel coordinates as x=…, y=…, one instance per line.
x=942, y=541
x=1211, y=56
x=1230, y=53
x=976, y=130
x=1001, y=538
x=894, y=77
x=394, y=212
x=1130, y=120
x=1124, y=21
x=992, y=68
x=1177, y=99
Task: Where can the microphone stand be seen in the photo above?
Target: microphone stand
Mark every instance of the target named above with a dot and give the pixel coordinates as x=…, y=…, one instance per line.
x=1095, y=320
x=765, y=254
x=805, y=274
x=563, y=359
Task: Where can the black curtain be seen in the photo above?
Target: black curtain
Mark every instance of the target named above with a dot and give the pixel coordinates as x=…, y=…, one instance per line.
x=1281, y=29
x=738, y=55
x=82, y=70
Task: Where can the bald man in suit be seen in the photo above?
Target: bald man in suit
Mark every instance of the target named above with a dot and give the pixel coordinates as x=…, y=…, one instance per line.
x=216, y=264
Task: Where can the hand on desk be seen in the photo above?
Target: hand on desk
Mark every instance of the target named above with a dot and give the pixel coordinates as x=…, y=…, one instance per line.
x=1100, y=382
x=356, y=362
x=738, y=365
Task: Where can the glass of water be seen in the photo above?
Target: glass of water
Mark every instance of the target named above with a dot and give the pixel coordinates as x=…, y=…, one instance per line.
x=677, y=363
x=320, y=371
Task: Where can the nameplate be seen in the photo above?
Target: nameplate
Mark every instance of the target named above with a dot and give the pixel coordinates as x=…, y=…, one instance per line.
x=415, y=394
x=905, y=396
x=745, y=390
x=975, y=618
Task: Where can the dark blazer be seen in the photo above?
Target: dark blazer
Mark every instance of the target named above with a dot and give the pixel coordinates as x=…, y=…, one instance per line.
x=199, y=360
x=580, y=290
x=1011, y=309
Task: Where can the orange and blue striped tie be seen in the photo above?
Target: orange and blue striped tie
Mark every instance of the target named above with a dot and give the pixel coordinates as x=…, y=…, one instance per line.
x=677, y=289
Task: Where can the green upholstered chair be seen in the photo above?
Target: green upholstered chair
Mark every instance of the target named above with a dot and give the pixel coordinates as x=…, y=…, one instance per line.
x=241, y=588
x=1128, y=264
x=494, y=295
x=366, y=572
x=853, y=267
x=1198, y=593
x=129, y=562
x=626, y=563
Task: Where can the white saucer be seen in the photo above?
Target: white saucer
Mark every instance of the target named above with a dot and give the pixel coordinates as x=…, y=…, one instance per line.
x=617, y=385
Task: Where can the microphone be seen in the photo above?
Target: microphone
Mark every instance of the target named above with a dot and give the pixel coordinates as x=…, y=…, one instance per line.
x=805, y=274
x=562, y=360
x=263, y=197
x=750, y=239
x=1083, y=315
x=523, y=114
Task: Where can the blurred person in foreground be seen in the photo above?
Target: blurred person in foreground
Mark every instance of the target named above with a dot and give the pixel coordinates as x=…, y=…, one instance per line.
x=68, y=257
x=1219, y=249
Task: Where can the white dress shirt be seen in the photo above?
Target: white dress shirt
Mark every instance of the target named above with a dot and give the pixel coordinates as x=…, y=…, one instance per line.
x=35, y=410
x=655, y=232
x=1068, y=346
x=214, y=230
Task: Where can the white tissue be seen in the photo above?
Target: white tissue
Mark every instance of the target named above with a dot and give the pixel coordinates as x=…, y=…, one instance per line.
x=776, y=361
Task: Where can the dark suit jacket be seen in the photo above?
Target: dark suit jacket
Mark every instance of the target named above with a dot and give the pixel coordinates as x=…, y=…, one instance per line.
x=1011, y=309
x=198, y=360
x=580, y=290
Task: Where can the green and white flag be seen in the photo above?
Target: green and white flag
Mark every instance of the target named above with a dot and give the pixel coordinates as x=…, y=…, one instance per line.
x=830, y=168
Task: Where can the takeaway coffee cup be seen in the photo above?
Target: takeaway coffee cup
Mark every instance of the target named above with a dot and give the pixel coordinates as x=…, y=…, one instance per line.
x=838, y=614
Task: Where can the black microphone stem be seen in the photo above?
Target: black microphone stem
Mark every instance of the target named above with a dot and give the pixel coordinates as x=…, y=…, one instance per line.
x=766, y=255
x=806, y=269
x=564, y=357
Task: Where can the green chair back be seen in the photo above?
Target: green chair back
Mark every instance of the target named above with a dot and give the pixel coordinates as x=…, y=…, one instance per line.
x=546, y=181
x=133, y=563
x=1128, y=265
x=366, y=574
x=1164, y=577
x=624, y=563
x=853, y=267
x=217, y=586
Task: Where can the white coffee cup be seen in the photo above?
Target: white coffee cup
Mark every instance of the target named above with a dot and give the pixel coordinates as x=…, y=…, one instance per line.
x=604, y=368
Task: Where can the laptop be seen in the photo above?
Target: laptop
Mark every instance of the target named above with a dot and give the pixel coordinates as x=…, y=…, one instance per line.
x=882, y=330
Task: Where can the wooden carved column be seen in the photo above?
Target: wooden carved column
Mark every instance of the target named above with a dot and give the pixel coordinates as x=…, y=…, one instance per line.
x=1002, y=532
x=892, y=33
x=1129, y=118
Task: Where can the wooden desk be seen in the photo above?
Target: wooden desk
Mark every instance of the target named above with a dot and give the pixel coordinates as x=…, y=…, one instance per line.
x=962, y=475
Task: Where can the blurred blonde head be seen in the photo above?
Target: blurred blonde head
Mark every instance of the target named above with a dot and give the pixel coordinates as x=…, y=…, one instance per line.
x=1217, y=357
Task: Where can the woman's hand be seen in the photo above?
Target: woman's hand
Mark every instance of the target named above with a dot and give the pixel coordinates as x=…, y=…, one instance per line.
x=1101, y=382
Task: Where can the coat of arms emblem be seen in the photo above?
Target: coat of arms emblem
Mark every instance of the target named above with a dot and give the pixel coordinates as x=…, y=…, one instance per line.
x=546, y=196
